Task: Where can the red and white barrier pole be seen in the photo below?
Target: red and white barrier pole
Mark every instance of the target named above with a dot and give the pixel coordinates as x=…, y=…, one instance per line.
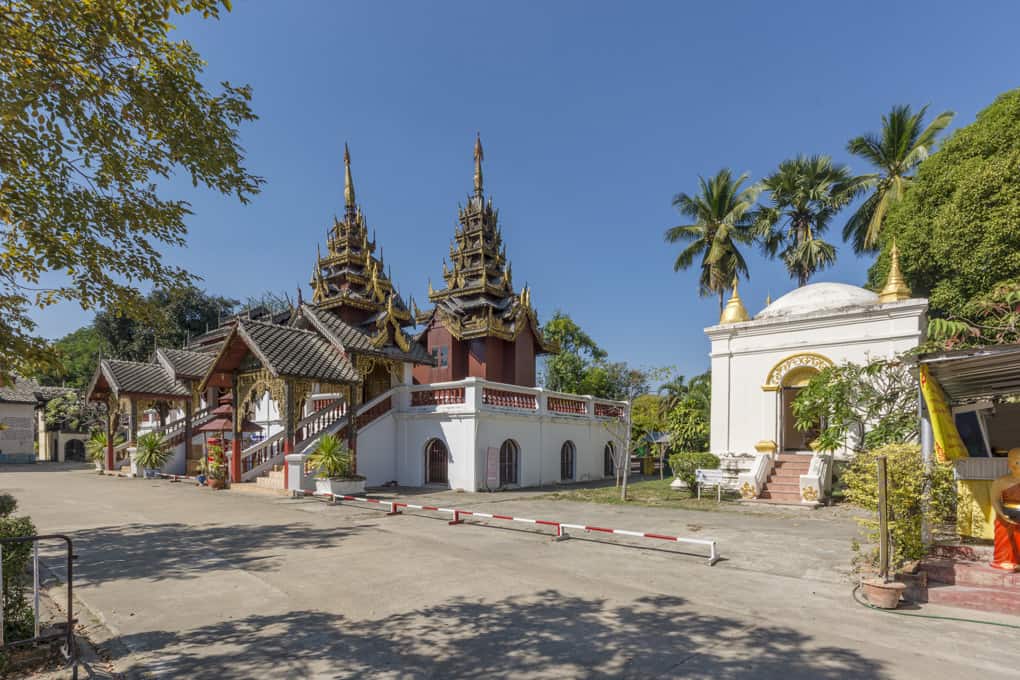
x=560, y=527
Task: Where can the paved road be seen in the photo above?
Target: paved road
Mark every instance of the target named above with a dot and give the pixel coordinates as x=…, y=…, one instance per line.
x=221, y=585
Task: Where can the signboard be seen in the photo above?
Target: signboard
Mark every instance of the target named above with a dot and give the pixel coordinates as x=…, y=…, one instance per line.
x=492, y=468
x=948, y=445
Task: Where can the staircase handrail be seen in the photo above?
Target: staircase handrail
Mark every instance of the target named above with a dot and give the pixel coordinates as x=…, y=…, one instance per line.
x=263, y=455
x=176, y=427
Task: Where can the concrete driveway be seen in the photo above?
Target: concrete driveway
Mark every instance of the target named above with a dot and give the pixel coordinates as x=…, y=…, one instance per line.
x=192, y=583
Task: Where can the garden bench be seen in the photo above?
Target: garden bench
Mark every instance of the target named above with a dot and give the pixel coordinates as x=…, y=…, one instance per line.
x=709, y=478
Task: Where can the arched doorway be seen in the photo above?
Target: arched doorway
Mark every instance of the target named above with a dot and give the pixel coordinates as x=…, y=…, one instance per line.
x=437, y=462
x=509, y=459
x=786, y=379
x=608, y=460
x=74, y=449
x=568, y=454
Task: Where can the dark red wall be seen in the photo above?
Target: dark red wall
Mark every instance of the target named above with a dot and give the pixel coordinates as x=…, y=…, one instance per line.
x=489, y=358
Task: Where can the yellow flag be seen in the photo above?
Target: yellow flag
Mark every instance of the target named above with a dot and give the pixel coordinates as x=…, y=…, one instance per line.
x=948, y=444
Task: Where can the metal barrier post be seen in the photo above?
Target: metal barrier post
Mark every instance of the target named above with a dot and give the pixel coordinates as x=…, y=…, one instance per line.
x=35, y=585
x=1, y=596
x=456, y=518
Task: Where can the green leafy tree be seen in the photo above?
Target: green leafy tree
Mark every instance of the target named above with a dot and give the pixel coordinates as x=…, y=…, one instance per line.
x=860, y=407
x=806, y=192
x=685, y=465
x=98, y=108
x=566, y=370
x=181, y=313
x=614, y=380
x=957, y=226
x=647, y=416
x=903, y=144
x=991, y=319
x=17, y=612
x=70, y=412
x=76, y=356
x=721, y=213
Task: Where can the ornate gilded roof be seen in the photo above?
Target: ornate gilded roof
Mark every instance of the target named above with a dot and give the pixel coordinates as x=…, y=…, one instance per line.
x=351, y=275
x=479, y=298
x=378, y=338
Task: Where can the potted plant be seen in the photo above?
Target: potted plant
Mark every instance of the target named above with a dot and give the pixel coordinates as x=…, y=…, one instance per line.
x=151, y=454
x=95, y=447
x=335, y=463
x=216, y=468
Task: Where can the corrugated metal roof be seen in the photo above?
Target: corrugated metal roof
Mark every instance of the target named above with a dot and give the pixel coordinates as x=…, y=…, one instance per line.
x=977, y=373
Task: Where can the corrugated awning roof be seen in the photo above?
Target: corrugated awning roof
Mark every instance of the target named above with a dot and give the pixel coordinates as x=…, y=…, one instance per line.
x=977, y=373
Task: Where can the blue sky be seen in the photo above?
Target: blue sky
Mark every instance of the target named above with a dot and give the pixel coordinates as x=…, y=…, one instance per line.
x=592, y=114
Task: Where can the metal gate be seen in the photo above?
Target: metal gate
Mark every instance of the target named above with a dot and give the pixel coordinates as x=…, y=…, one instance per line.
x=437, y=463
x=70, y=649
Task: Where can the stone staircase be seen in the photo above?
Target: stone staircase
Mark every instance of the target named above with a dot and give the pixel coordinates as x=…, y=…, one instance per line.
x=959, y=576
x=272, y=479
x=783, y=484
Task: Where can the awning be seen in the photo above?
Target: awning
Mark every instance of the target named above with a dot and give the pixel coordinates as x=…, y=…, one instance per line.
x=977, y=373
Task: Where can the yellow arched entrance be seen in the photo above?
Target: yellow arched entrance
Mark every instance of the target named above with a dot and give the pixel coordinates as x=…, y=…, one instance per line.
x=787, y=378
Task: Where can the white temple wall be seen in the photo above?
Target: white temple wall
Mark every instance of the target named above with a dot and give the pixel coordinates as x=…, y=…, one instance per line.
x=743, y=355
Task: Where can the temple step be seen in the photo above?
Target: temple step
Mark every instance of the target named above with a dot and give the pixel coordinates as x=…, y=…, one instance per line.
x=792, y=486
x=977, y=574
x=271, y=480
x=792, y=496
x=1001, y=600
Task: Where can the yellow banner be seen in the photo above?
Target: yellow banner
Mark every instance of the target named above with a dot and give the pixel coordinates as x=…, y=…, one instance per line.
x=948, y=445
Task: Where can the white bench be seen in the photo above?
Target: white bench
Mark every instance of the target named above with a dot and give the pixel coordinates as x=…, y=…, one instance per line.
x=710, y=478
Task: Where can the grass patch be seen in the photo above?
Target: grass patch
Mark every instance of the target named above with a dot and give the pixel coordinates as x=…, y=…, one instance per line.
x=652, y=492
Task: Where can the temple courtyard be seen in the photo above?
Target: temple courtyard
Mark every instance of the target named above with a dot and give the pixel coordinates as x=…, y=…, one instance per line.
x=176, y=581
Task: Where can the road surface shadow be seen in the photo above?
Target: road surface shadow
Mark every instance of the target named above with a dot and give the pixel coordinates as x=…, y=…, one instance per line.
x=547, y=634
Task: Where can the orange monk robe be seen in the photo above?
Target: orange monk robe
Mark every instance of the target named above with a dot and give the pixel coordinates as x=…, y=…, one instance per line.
x=1007, y=536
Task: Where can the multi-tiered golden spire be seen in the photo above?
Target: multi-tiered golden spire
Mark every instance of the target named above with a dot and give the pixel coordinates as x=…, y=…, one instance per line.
x=734, y=311
x=349, y=202
x=479, y=157
x=896, y=287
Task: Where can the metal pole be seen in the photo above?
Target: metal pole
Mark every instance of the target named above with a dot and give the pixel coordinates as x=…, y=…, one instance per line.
x=883, y=520
x=1, y=596
x=35, y=585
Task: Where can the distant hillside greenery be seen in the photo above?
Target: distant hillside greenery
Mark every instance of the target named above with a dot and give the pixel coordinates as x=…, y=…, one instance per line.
x=958, y=226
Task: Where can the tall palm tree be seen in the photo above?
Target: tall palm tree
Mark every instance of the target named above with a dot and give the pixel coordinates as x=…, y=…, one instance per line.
x=721, y=213
x=805, y=192
x=902, y=145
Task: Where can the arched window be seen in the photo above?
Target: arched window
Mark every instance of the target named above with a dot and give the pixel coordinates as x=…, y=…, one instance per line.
x=609, y=465
x=509, y=455
x=437, y=459
x=74, y=449
x=567, y=455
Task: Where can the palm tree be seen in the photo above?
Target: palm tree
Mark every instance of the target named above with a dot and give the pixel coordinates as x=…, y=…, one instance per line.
x=806, y=192
x=721, y=213
x=903, y=144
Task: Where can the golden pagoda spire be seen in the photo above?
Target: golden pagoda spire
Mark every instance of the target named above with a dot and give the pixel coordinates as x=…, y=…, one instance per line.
x=734, y=311
x=479, y=157
x=348, y=180
x=896, y=287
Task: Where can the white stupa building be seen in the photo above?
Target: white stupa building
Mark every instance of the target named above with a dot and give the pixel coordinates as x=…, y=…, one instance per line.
x=759, y=364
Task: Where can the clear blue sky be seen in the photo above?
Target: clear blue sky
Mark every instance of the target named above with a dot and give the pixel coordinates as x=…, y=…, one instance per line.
x=593, y=115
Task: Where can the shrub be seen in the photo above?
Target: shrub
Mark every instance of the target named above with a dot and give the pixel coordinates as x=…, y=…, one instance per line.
x=332, y=458
x=17, y=612
x=95, y=447
x=152, y=452
x=686, y=462
x=216, y=463
x=907, y=483
x=8, y=504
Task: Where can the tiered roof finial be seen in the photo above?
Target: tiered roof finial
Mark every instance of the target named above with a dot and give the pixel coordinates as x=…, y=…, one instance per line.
x=479, y=157
x=348, y=181
x=734, y=311
x=896, y=287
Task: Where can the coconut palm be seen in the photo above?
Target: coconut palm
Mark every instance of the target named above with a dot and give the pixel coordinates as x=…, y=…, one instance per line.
x=903, y=144
x=805, y=193
x=721, y=213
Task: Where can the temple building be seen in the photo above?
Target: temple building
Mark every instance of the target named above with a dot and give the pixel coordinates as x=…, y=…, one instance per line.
x=760, y=364
x=452, y=405
x=479, y=327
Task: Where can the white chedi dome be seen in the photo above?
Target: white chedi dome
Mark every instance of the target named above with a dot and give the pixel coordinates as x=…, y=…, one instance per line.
x=819, y=297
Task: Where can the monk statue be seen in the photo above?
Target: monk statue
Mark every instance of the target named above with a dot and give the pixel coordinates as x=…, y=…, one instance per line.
x=1006, y=502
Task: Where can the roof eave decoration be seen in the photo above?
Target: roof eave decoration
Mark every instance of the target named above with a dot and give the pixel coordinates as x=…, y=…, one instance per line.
x=204, y=384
